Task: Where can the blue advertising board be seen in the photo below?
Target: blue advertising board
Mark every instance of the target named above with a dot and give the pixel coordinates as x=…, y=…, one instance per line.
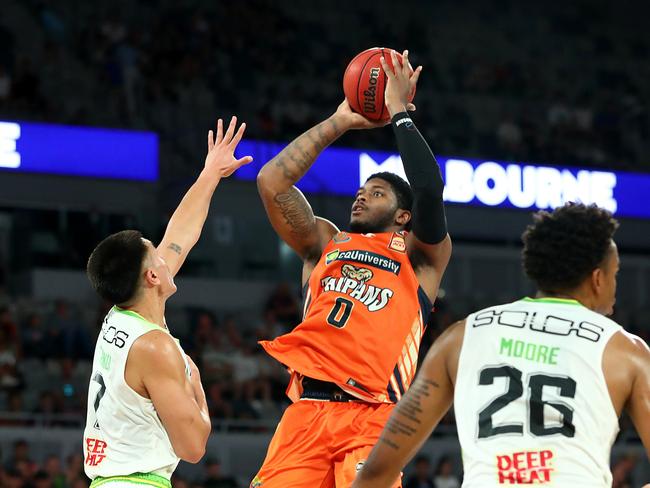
x=27, y=147
x=341, y=171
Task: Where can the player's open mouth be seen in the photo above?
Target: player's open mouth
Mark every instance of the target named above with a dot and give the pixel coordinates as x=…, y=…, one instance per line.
x=357, y=209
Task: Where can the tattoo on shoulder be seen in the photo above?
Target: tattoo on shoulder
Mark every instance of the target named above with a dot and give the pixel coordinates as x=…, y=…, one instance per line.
x=296, y=212
x=175, y=247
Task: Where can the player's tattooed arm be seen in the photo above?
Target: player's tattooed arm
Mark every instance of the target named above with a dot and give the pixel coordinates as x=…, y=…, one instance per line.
x=175, y=247
x=289, y=212
x=416, y=415
x=408, y=416
x=294, y=161
x=296, y=212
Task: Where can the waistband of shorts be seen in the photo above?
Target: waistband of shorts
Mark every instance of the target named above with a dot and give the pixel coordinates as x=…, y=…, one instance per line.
x=324, y=391
x=144, y=479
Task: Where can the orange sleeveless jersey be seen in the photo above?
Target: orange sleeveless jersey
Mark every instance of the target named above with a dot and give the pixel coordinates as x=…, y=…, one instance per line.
x=364, y=315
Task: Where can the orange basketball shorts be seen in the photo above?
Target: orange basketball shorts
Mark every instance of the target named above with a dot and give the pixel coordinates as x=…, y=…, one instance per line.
x=322, y=444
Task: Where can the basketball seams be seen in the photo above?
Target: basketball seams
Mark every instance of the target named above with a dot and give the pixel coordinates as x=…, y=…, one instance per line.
x=383, y=102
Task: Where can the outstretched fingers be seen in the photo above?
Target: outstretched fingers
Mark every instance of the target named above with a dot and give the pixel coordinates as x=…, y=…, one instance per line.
x=231, y=130
x=240, y=133
x=406, y=67
x=245, y=160
x=219, y=131
x=416, y=76
x=210, y=140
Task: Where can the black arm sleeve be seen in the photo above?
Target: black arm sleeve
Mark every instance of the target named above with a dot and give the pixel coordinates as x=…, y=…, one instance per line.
x=429, y=222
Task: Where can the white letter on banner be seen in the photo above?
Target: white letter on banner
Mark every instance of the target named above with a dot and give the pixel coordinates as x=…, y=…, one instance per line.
x=602, y=190
x=482, y=175
x=458, y=176
x=9, y=134
x=549, y=188
x=576, y=189
x=522, y=190
x=368, y=167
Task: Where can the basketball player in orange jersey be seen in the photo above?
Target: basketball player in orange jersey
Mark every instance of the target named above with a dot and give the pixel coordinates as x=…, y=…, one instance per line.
x=367, y=293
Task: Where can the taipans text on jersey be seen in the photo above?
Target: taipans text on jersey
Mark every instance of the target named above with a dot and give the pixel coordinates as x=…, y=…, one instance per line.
x=354, y=283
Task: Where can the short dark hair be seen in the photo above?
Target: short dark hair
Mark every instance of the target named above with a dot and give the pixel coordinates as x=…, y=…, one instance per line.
x=400, y=186
x=114, y=266
x=563, y=247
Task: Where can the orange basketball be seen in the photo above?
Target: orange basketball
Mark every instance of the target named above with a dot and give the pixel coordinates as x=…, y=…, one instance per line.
x=364, y=83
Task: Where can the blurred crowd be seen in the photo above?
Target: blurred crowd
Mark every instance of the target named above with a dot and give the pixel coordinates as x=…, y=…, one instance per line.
x=563, y=83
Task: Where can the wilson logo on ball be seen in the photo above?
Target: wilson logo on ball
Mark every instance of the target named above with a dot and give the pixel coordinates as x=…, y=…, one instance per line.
x=369, y=104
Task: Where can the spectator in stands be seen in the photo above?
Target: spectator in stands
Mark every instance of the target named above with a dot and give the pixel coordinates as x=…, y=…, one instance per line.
x=48, y=407
x=67, y=333
x=284, y=304
x=5, y=88
x=53, y=469
x=73, y=386
x=34, y=339
x=214, y=478
x=510, y=136
x=422, y=476
x=9, y=375
x=80, y=483
x=15, y=405
x=21, y=460
x=444, y=476
x=269, y=327
x=622, y=471
x=219, y=407
x=26, y=87
x=41, y=480
x=12, y=479
x=178, y=482
x=74, y=472
x=7, y=323
x=212, y=349
x=231, y=330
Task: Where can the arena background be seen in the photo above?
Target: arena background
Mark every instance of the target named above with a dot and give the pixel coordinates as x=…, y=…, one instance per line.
x=504, y=81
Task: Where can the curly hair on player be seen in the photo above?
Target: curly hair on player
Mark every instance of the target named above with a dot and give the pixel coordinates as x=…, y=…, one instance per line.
x=563, y=247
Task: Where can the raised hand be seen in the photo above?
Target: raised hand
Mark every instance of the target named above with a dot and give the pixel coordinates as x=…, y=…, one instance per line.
x=401, y=82
x=221, y=151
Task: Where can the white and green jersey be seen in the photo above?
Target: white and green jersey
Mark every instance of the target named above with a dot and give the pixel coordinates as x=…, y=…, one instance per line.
x=123, y=433
x=531, y=401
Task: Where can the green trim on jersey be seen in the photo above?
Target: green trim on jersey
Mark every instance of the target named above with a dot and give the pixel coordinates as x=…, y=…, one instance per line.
x=144, y=479
x=136, y=315
x=565, y=301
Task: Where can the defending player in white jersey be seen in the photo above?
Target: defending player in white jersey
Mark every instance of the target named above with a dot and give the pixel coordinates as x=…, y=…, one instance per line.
x=538, y=384
x=146, y=406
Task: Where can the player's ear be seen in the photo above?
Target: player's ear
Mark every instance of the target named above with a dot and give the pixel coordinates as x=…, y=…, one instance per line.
x=597, y=280
x=403, y=217
x=151, y=278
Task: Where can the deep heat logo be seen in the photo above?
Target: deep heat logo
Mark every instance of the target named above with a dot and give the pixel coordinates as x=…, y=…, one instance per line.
x=525, y=468
x=354, y=283
x=370, y=94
